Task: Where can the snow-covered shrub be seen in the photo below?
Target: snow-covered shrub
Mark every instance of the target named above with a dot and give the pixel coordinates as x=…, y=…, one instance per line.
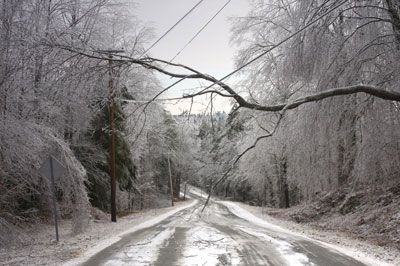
x=25, y=193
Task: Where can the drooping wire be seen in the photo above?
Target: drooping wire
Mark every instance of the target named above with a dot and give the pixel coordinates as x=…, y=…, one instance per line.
x=276, y=45
x=198, y=32
x=272, y=48
x=173, y=26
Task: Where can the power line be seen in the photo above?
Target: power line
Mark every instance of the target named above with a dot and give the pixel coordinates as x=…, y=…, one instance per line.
x=276, y=45
x=263, y=53
x=173, y=26
x=198, y=32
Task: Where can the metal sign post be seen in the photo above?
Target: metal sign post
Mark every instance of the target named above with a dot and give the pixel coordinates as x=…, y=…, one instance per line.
x=52, y=168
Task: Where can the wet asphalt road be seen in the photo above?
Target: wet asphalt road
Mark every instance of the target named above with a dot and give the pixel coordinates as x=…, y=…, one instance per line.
x=215, y=237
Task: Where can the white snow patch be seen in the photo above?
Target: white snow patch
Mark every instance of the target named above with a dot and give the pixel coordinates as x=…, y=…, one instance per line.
x=206, y=246
x=181, y=194
x=363, y=257
x=286, y=249
x=244, y=214
x=142, y=253
x=106, y=243
x=198, y=192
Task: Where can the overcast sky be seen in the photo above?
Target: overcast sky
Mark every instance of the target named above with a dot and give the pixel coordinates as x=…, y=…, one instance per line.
x=210, y=52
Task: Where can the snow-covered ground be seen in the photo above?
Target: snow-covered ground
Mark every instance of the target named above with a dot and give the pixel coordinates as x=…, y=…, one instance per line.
x=364, y=252
x=41, y=249
x=207, y=246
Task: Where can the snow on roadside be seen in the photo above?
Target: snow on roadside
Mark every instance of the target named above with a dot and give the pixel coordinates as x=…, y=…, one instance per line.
x=207, y=246
x=244, y=214
x=198, y=192
x=287, y=250
x=142, y=253
x=348, y=250
x=105, y=243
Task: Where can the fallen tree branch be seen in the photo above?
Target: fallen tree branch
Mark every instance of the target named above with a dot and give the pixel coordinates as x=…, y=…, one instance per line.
x=225, y=175
x=150, y=63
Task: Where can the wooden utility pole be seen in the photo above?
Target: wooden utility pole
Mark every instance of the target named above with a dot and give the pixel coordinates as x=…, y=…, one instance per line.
x=111, y=134
x=170, y=182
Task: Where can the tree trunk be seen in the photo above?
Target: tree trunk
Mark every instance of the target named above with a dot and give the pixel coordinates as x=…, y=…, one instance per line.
x=282, y=187
x=347, y=146
x=393, y=7
x=171, y=183
x=177, y=185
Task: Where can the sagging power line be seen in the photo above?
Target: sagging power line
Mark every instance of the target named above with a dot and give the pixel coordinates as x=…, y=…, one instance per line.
x=309, y=24
x=199, y=31
x=171, y=28
x=276, y=45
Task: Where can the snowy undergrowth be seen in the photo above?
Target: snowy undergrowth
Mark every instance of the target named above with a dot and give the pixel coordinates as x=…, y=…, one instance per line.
x=27, y=192
x=371, y=213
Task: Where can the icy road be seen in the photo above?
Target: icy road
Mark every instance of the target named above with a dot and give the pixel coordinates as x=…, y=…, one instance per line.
x=216, y=237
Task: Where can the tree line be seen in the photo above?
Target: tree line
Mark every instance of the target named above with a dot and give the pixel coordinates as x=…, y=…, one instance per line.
x=55, y=102
x=313, y=109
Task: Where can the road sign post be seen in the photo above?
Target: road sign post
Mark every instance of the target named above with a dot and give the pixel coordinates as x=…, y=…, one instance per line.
x=51, y=168
x=53, y=188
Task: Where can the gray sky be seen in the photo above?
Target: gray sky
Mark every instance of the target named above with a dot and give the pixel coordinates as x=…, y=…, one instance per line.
x=210, y=52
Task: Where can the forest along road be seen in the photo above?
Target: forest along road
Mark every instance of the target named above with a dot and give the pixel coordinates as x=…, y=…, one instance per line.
x=215, y=237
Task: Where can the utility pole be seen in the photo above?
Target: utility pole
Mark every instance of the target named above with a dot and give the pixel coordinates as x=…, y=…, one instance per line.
x=111, y=134
x=184, y=193
x=170, y=182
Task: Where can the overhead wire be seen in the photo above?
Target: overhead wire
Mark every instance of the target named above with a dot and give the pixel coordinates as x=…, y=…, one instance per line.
x=267, y=51
x=199, y=31
x=276, y=45
x=173, y=26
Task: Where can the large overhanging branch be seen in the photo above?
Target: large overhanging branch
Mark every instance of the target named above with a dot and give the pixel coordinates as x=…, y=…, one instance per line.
x=360, y=88
x=191, y=73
